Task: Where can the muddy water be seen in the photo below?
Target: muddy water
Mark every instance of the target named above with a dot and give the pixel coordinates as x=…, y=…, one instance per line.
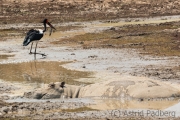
x=153, y=20
x=40, y=72
x=111, y=104
x=5, y=56
x=119, y=106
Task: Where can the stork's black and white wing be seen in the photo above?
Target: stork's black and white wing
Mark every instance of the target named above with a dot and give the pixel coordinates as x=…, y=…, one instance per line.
x=32, y=35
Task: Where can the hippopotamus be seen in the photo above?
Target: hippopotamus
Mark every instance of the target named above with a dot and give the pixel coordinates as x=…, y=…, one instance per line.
x=127, y=87
x=54, y=90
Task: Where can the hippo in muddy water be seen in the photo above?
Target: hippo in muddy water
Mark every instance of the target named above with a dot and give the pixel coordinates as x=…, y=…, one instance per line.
x=54, y=90
x=126, y=87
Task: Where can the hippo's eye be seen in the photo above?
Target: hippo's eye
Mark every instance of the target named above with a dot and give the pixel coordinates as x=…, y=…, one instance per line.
x=51, y=85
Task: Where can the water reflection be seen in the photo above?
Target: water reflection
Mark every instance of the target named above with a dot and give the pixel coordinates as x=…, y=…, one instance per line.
x=5, y=56
x=42, y=72
x=110, y=104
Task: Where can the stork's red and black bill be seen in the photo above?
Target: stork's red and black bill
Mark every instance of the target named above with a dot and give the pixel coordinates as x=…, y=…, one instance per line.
x=50, y=25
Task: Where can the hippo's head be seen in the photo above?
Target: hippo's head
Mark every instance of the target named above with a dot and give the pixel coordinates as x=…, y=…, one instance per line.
x=54, y=90
x=57, y=86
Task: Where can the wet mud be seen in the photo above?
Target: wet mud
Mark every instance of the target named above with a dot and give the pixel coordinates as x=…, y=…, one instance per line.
x=92, y=53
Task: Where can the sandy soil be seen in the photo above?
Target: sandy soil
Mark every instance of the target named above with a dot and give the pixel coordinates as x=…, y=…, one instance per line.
x=126, y=62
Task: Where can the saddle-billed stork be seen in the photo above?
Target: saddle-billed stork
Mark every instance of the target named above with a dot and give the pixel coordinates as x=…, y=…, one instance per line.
x=36, y=35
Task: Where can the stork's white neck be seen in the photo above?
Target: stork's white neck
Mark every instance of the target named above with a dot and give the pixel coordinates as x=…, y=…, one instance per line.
x=40, y=31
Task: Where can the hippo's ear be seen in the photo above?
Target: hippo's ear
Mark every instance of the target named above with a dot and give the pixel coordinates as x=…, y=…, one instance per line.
x=62, y=84
x=51, y=85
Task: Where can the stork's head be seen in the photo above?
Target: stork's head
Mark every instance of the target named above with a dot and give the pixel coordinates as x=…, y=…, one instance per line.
x=46, y=22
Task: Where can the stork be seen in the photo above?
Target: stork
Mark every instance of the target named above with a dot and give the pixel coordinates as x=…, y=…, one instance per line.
x=36, y=35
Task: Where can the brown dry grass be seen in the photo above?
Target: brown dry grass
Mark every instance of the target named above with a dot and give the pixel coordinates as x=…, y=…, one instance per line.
x=149, y=39
x=18, y=11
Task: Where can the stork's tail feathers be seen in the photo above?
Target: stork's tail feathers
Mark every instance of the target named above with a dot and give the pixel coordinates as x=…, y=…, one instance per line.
x=26, y=41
